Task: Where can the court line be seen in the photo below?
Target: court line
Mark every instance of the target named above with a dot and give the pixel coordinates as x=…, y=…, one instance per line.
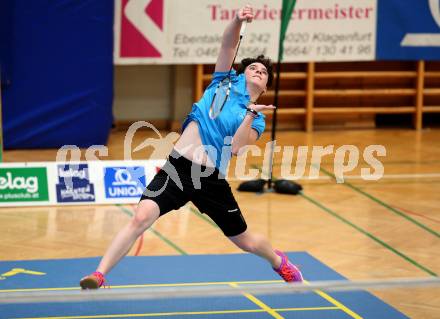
x=322, y=294
x=155, y=232
x=259, y=303
x=361, y=161
x=196, y=212
x=366, y=233
x=380, y=202
x=338, y=304
x=357, y=177
x=362, y=230
x=328, y=298
x=161, y=314
x=396, y=181
x=398, y=176
x=249, y=296
x=417, y=214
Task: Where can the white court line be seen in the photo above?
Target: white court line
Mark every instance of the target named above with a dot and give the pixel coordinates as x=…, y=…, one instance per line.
x=397, y=176
x=354, y=177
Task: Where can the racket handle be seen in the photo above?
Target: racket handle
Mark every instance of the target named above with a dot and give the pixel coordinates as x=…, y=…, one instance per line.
x=243, y=28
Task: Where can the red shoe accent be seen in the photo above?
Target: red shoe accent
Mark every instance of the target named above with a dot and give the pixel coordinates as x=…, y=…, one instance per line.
x=288, y=271
x=93, y=281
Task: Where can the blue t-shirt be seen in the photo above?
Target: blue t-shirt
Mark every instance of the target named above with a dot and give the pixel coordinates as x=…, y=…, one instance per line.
x=216, y=134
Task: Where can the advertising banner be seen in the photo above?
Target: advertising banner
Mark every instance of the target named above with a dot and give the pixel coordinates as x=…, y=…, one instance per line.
x=75, y=183
x=172, y=31
x=408, y=30
x=182, y=32
x=25, y=184
x=124, y=182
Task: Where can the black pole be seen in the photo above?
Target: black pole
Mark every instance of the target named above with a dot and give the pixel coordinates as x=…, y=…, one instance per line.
x=274, y=122
x=280, y=186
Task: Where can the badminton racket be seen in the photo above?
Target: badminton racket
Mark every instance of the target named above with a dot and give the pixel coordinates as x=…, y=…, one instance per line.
x=223, y=89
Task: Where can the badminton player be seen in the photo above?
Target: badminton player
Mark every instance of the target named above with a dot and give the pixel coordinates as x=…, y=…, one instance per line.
x=204, y=148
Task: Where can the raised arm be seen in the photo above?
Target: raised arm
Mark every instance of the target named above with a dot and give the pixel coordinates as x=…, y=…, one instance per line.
x=230, y=39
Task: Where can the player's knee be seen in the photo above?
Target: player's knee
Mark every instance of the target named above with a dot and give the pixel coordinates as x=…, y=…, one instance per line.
x=144, y=217
x=249, y=245
x=255, y=243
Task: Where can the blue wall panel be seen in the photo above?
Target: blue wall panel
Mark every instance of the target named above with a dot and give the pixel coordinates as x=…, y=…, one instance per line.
x=57, y=73
x=398, y=19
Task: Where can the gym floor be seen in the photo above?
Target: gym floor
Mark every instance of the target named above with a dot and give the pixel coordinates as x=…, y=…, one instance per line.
x=388, y=228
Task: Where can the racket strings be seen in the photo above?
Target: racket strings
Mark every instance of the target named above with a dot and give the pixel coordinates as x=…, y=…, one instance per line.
x=220, y=97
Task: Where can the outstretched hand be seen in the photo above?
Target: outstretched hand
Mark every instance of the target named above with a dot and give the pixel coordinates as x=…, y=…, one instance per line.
x=261, y=107
x=245, y=13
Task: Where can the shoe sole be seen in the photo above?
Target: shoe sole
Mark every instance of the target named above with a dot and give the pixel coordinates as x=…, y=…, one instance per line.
x=88, y=283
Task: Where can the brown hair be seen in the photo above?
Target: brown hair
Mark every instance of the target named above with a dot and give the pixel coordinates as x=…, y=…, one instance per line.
x=260, y=59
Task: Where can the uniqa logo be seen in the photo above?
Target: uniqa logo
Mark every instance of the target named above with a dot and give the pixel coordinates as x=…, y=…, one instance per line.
x=123, y=177
x=124, y=185
x=30, y=184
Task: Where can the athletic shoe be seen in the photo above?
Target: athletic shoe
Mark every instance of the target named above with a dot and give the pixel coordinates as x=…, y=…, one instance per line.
x=288, y=271
x=93, y=281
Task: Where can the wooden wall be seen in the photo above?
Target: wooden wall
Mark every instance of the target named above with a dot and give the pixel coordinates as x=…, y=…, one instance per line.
x=348, y=94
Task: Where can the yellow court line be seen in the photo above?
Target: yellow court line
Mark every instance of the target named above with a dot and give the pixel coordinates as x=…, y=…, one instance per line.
x=338, y=304
x=188, y=284
x=320, y=293
x=16, y=271
x=259, y=303
x=161, y=314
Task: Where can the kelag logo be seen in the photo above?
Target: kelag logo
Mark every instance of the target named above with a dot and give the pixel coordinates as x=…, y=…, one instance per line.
x=74, y=184
x=408, y=30
x=124, y=182
x=23, y=184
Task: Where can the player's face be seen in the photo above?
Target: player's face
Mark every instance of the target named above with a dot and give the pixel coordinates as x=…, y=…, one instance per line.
x=257, y=73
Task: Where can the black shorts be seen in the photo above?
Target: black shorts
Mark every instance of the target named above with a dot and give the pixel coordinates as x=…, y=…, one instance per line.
x=174, y=185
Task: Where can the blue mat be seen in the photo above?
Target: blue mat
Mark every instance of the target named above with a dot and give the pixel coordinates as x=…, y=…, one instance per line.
x=207, y=269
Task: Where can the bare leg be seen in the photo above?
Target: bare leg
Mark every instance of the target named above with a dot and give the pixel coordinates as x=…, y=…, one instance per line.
x=146, y=214
x=258, y=245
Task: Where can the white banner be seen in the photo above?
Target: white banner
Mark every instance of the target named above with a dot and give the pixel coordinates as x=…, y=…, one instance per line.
x=80, y=183
x=189, y=32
